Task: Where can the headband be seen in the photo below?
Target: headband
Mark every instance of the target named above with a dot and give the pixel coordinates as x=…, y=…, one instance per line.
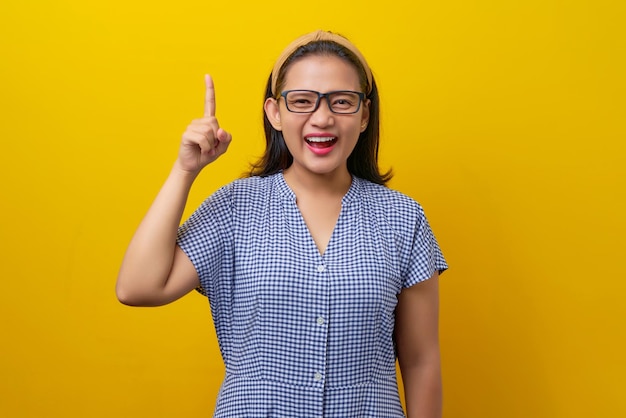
x=319, y=36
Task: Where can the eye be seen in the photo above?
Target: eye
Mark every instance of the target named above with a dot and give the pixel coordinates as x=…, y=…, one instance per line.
x=343, y=101
x=301, y=99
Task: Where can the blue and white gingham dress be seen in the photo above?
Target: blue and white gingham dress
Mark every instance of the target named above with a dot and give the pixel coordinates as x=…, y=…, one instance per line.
x=303, y=334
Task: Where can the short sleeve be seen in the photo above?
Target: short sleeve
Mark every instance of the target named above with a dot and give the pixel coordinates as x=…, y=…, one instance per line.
x=206, y=235
x=424, y=257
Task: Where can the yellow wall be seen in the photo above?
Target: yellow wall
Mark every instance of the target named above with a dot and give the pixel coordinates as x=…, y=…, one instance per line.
x=506, y=119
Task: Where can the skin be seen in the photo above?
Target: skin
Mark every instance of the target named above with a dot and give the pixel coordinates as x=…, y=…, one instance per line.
x=323, y=74
x=417, y=339
x=155, y=271
x=319, y=182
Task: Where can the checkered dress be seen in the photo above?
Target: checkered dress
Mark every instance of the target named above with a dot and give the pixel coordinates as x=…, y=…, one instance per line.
x=303, y=334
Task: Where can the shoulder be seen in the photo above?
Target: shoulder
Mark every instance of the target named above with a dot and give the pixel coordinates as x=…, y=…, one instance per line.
x=254, y=182
x=240, y=196
x=246, y=193
x=251, y=188
x=248, y=186
x=390, y=202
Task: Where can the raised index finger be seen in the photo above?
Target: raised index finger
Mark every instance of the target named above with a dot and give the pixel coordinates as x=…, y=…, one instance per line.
x=209, y=98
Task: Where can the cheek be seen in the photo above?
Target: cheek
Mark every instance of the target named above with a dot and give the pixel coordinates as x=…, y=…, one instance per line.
x=358, y=126
x=291, y=121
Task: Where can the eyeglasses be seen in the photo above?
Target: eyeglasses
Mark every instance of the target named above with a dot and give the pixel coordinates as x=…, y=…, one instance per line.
x=343, y=102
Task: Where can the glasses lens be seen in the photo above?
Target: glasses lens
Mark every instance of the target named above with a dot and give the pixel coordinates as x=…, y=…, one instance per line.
x=344, y=102
x=301, y=101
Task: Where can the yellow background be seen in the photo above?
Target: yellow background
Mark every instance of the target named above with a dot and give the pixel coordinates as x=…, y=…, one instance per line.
x=505, y=119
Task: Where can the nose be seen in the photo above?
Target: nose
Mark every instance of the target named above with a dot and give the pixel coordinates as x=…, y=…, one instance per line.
x=322, y=116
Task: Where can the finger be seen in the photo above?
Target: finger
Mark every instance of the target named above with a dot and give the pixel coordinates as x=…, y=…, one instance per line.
x=209, y=98
x=205, y=126
x=223, y=140
x=195, y=139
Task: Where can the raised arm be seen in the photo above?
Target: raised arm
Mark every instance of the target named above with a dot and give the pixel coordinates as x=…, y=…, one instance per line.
x=417, y=338
x=155, y=271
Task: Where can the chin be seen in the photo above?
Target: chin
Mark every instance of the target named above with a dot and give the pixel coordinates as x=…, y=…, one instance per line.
x=327, y=169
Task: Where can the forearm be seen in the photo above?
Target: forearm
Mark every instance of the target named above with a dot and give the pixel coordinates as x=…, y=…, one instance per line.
x=417, y=338
x=154, y=272
x=423, y=388
x=150, y=254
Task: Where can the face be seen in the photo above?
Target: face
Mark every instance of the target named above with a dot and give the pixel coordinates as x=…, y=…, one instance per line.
x=320, y=142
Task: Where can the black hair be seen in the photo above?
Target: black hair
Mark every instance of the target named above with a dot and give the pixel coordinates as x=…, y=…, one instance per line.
x=363, y=161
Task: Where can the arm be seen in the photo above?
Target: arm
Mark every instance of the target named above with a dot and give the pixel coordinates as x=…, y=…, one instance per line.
x=155, y=271
x=417, y=338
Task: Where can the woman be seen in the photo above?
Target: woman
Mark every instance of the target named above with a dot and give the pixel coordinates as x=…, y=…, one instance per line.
x=317, y=274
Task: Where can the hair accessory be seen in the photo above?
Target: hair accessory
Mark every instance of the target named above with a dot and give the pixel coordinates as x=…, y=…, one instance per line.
x=319, y=35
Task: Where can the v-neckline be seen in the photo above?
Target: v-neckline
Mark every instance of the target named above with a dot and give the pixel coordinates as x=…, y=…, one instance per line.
x=302, y=222
x=311, y=236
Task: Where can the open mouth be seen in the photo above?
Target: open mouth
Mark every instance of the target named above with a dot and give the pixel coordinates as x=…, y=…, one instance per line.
x=321, y=141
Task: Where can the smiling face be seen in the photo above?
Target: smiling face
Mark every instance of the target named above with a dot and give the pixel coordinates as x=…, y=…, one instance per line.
x=320, y=142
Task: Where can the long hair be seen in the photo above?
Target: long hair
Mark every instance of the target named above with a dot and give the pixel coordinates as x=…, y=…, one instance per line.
x=363, y=161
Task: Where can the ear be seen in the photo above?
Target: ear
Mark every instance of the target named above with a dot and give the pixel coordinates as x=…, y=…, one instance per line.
x=365, y=115
x=272, y=111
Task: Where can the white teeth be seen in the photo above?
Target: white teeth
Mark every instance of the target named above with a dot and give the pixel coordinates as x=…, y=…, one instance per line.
x=320, y=139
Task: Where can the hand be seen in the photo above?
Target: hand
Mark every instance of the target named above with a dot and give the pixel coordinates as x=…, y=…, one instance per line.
x=203, y=141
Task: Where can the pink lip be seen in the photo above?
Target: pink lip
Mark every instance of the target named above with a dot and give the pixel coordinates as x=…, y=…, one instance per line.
x=320, y=149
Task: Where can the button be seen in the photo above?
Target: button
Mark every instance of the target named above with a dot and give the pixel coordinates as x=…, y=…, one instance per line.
x=320, y=320
x=317, y=377
x=321, y=268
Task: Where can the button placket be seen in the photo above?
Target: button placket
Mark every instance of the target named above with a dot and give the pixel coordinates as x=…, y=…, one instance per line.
x=321, y=321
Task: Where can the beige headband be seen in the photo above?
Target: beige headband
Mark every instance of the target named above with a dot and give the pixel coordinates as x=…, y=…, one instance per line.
x=319, y=36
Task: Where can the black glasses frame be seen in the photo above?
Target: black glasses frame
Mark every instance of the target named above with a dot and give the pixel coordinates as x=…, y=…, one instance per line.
x=327, y=96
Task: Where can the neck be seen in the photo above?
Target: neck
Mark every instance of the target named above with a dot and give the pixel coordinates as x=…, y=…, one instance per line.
x=330, y=184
